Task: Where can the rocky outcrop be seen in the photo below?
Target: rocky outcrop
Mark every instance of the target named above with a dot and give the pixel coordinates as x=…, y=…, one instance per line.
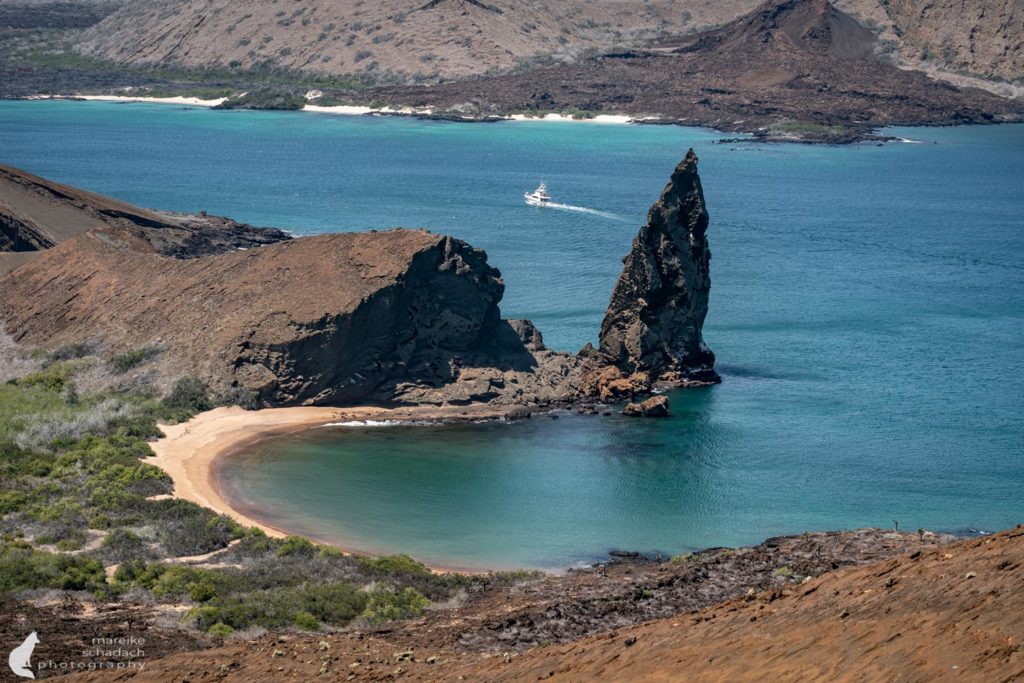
x=402, y=317
x=331, y=319
x=655, y=406
x=657, y=310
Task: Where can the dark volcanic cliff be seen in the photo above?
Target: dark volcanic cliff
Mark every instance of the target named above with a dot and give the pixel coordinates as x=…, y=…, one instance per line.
x=657, y=310
x=324, y=320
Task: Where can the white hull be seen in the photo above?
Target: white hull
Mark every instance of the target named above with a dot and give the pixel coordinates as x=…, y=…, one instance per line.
x=534, y=201
x=538, y=197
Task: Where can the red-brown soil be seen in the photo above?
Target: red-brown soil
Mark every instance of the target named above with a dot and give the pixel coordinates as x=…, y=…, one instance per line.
x=938, y=612
x=37, y=214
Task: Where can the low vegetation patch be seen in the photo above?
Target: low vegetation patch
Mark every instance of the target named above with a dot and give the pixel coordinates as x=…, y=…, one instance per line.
x=264, y=99
x=805, y=128
x=123, y=362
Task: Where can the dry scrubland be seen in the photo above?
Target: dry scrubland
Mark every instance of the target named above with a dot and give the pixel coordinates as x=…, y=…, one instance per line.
x=457, y=38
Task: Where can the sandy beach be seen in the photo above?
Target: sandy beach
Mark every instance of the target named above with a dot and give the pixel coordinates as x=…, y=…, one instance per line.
x=345, y=109
x=187, y=451
x=189, y=101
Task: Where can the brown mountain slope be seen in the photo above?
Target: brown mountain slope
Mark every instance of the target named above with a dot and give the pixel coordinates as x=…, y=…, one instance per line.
x=978, y=37
x=941, y=613
x=37, y=214
x=446, y=37
x=463, y=37
x=789, y=60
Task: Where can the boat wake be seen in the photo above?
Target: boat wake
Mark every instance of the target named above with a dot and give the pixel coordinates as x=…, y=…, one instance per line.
x=583, y=209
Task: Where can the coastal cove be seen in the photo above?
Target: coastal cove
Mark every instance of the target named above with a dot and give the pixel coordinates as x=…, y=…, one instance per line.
x=865, y=311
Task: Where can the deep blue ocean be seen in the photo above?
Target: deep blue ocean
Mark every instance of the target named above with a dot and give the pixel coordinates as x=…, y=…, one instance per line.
x=867, y=311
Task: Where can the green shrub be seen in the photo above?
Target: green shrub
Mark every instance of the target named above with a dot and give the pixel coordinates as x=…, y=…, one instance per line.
x=184, y=528
x=241, y=397
x=173, y=580
x=22, y=567
x=15, y=462
x=140, y=426
x=118, y=487
x=392, y=565
x=390, y=605
x=73, y=542
x=68, y=352
x=69, y=394
x=330, y=603
x=295, y=545
x=123, y=362
x=306, y=621
x=65, y=512
x=123, y=545
x=12, y=501
x=220, y=630
x=329, y=552
x=115, y=499
x=202, y=590
x=52, y=378
x=187, y=397
x=99, y=521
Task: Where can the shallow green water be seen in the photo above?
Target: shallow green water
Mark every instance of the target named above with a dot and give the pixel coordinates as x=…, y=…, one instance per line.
x=866, y=310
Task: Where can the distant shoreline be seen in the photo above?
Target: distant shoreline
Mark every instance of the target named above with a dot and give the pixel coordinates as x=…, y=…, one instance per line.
x=872, y=134
x=188, y=452
x=352, y=110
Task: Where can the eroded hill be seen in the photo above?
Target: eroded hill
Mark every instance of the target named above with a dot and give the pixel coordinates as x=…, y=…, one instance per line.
x=453, y=38
x=444, y=37
x=791, y=69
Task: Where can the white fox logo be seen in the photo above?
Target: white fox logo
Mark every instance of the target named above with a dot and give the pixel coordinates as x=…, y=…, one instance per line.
x=18, y=660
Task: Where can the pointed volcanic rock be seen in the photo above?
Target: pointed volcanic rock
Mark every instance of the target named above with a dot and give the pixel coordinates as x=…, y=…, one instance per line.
x=657, y=310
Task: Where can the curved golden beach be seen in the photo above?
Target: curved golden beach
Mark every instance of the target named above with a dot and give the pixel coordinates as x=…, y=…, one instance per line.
x=187, y=451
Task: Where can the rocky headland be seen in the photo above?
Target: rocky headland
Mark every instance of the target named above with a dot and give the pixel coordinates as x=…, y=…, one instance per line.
x=394, y=318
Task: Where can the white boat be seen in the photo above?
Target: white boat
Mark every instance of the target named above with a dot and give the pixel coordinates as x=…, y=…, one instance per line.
x=538, y=197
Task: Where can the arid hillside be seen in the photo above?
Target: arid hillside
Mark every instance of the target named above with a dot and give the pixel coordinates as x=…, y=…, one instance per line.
x=790, y=69
x=982, y=38
x=37, y=214
x=934, y=613
x=445, y=37
x=453, y=38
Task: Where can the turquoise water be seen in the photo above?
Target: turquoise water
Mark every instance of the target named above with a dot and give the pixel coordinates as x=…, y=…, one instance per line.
x=867, y=311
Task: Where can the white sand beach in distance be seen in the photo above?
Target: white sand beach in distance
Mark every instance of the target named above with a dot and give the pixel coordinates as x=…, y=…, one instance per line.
x=345, y=109
x=190, y=101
